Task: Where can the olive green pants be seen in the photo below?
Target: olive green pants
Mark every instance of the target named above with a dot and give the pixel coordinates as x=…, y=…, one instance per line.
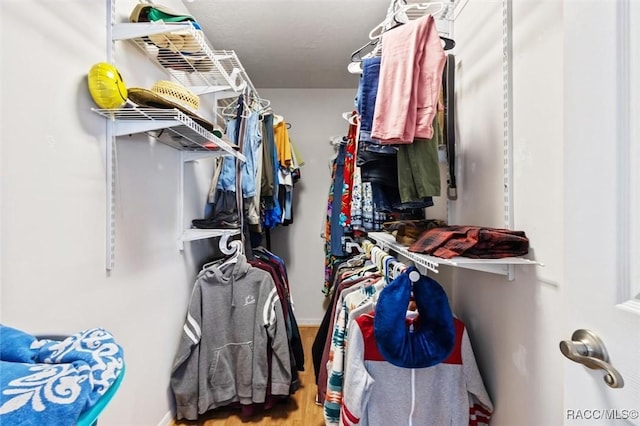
x=418, y=167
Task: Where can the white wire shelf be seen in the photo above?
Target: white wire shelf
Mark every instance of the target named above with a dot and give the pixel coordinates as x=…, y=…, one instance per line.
x=169, y=126
x=496, y=266
x=185, y=53
x=194, y=234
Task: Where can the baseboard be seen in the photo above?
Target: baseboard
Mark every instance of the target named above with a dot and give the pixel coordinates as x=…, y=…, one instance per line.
x=167, y=420
x=311, y=322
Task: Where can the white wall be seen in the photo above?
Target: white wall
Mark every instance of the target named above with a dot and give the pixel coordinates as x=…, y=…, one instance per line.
x=315, y=116
x=513, y=325
x=53, y=202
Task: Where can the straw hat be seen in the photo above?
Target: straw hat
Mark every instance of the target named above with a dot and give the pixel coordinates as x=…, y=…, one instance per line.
x=167, y=94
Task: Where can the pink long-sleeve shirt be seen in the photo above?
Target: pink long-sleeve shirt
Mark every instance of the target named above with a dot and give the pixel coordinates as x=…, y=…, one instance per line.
x=410, y=80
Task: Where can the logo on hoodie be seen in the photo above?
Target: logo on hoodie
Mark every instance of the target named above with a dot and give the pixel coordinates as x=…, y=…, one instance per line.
x=250, y=300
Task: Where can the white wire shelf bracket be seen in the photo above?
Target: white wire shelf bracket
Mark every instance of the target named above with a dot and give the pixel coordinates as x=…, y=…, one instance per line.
x=169, y=126
x=184, y=52
x=496, y=266
x=194, y=234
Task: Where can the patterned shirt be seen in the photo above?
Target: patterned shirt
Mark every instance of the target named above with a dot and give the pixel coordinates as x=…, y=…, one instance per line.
x=333, y=398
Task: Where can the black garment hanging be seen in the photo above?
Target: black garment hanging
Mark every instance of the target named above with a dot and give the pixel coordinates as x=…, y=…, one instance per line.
x=450, y=128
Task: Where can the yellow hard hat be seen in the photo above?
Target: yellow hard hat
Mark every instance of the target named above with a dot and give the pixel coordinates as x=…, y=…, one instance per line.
x=106, y=86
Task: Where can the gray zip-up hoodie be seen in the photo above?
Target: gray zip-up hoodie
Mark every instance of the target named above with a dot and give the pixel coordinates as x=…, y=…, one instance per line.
x=222, y=355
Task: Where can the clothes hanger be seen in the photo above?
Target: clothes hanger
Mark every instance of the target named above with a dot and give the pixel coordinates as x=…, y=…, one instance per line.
x=387, y=267
x=373, y=254
x=337, y=140
x=356, y=260
x=356, y=55
x=350, y=245
x=386, y=22
x=212, y=263
x=355, y=66
x=379, y=260
x=384, y=262
x=236, y=255
x=230, y=110
x=398, y=268
x=399, y=16
x=233, y=248
x=351, y=117
x=277, y=119
x=257, y=103
x=367, y=246
x=264, y=105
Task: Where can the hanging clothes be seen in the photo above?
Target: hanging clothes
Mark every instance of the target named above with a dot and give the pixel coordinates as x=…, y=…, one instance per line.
x=410, y=80
x=383, y=165
x=250, y=149
x=365, y=102
x=349, y=167
x=269, y=262
x=234, y=346
x=333, y=231
x=269, y=169
x=357, y=223
x=350, y=299
x=283, y=145
x=272, y=215
x=343, y=282
x=419, y=169
x=367, y=374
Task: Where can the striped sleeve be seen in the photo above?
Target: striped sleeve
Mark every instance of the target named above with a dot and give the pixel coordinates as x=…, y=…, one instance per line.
x=333, y=397
x=357, y=380
x=269, y=310
x=480, y=405
x=275, y=326
x=184, y=374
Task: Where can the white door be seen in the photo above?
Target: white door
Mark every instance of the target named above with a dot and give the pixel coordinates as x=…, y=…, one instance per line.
x=602, y=211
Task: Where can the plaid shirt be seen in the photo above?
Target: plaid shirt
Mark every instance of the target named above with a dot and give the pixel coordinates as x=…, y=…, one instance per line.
x=471, y=241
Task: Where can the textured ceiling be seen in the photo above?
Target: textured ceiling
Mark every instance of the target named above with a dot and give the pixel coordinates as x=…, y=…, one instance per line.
x=291, y=43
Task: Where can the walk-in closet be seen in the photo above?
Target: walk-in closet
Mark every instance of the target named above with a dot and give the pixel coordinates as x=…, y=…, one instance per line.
x=319, y=212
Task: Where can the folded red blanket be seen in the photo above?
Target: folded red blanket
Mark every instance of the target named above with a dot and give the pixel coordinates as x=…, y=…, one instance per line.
x=471, y=241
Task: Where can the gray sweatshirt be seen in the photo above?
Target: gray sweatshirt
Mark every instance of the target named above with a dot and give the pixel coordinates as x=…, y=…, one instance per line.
x=222, y=355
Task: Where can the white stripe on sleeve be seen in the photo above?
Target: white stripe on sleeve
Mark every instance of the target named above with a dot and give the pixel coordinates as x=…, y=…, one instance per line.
x=194, y=324
x=267, y=315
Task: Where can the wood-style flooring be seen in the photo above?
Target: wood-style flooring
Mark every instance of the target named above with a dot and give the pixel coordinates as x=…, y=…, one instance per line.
x=299, y=410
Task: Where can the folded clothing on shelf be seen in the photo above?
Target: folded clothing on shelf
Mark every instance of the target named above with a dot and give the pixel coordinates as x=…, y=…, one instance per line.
x=406, y=232
x=177, y=41
x=471, y=241
x=145, y=12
